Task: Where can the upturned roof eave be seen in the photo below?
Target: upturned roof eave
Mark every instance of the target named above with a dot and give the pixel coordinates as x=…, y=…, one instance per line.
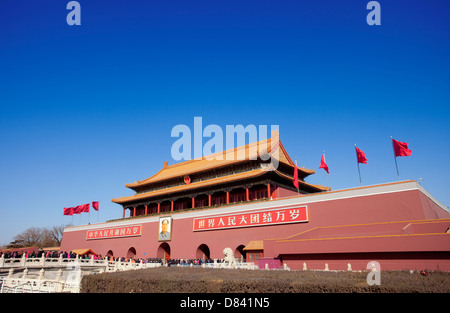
x=215, y=164
x=190, y=187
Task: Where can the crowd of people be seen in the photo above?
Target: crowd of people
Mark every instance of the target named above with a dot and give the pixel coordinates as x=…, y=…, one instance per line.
x=36, y=254
x=170, y=262
x=189, y=262
x=72, y=255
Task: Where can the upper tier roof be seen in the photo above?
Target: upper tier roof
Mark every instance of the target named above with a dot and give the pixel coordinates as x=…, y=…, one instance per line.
x=210, y=182
x=252, y=151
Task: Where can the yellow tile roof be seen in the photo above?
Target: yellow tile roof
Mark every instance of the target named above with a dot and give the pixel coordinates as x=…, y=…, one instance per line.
x=83, y=251
x=248, y=152
x=254, y=245
x=194, y=185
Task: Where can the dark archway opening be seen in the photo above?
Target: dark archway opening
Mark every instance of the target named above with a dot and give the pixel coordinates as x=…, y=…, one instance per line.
x=163, y=251
x=202, y=252
x=240, y=253
x=131, y=254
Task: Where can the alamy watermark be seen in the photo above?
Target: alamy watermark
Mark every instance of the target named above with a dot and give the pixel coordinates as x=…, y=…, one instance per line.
x=74, y=16
x=74, y=272
x=208, y=142
x=374, y=16
x=374, y=276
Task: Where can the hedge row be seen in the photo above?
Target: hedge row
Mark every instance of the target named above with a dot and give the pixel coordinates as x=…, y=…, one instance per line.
x=200, y=280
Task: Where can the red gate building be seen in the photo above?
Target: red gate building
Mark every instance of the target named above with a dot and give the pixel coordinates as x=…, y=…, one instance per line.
x=244, y=199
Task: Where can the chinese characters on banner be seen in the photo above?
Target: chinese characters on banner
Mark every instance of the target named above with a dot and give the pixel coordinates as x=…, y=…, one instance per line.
x=261, y=218
x=125, y=231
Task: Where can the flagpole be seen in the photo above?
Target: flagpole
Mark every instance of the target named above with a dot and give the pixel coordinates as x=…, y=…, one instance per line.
x=96, y=208
x=298, y=191
x=395, y=159
x=327, y=172
x=359, y=172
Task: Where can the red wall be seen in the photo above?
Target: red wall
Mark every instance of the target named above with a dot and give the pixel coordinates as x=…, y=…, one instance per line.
x=394, y=206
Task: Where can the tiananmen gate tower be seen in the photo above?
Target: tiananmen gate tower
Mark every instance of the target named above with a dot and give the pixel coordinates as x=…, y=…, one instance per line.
x=244, y=199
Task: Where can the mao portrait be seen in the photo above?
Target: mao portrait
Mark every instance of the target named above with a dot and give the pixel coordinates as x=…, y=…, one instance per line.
x=165, y=228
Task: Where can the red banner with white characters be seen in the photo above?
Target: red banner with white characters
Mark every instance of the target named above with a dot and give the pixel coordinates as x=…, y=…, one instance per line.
x=258, y=218
x=124, y=231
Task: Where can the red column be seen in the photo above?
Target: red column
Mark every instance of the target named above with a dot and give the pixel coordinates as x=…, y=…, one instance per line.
x=247, y=194
x=123, y=215
x=171, y=206
x=228, y=197
x=159, y=207
x=268, y=190
x=134, y=211
x=146, y=211
x=209, y=199
x=193, y=202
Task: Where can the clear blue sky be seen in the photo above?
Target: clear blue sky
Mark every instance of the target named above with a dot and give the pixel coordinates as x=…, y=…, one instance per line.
x=86, y=109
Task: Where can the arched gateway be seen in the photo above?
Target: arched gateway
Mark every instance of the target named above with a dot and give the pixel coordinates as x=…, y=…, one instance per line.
x=163, y=251
x=131, y=253
x=202, y=252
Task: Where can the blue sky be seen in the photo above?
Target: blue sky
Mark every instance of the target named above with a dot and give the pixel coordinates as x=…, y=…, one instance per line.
x=86, y=109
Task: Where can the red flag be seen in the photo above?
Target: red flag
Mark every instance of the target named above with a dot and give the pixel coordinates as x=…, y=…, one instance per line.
x=68, y=211
x=400, y=148
x=295, y=180
x=77, y=209
x=95, y=205
x=360, y=156
x=323, y=164
x=84, y=208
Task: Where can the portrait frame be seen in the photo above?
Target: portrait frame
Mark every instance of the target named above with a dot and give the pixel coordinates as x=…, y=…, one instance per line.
x=165, y=228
